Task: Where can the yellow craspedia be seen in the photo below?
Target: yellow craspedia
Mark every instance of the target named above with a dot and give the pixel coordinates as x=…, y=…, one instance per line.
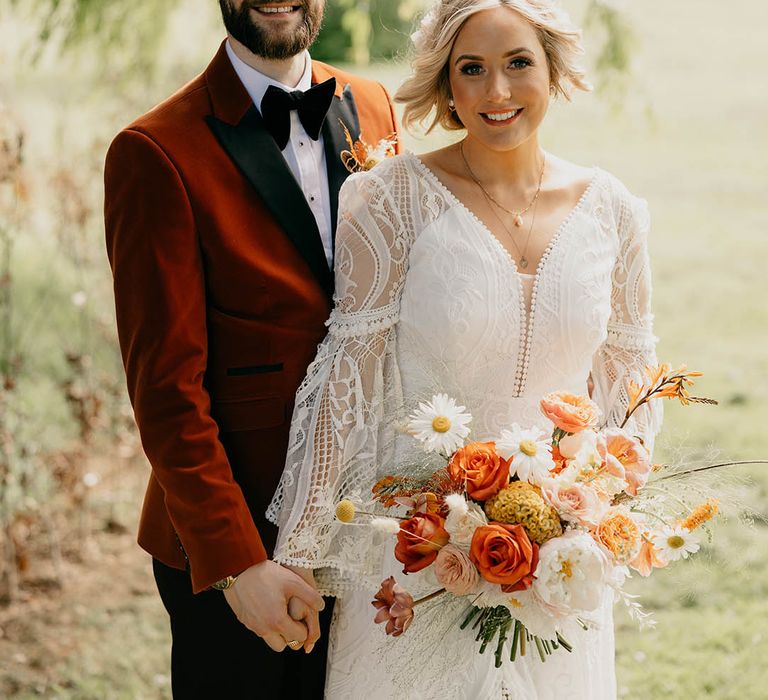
x=345, y=511
x=521, y=503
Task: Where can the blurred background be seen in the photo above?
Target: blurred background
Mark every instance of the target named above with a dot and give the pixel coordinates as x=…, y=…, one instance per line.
x=679, y=114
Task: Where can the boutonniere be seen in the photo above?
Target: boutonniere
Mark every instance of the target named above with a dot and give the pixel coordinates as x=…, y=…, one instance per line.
x=362, y=156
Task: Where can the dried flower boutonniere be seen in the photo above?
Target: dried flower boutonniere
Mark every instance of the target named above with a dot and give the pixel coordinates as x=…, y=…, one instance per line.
x=362, y=156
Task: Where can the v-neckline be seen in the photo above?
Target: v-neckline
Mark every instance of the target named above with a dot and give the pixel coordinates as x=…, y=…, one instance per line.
x=527, y=312
x=562, y=226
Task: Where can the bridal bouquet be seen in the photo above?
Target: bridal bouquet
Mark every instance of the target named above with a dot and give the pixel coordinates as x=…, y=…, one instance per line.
x=534, y=528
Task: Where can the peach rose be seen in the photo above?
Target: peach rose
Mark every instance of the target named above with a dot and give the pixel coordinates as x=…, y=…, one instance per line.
x=419, y=541
x=455, y=571
x=570, y=412
x=504, y=554
x=480, y=468
x=574, y=502
x=627, y=457
x=619, y=534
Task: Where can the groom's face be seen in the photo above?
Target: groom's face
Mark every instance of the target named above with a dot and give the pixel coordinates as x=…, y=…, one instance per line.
x=273, y=30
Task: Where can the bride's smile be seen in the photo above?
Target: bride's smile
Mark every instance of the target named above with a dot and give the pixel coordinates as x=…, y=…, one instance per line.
x=499, y=78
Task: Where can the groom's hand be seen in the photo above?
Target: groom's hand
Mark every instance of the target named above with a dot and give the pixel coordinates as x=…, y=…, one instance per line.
x=299, y=610
x=259, y=598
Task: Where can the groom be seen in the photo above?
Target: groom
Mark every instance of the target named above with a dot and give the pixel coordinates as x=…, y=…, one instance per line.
x=220, y=215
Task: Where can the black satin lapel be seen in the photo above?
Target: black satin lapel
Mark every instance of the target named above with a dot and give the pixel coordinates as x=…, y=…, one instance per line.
x=344, y=110
x=254, y=151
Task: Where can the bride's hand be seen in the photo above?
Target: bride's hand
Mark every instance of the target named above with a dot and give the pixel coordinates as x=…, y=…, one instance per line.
x=300, y=611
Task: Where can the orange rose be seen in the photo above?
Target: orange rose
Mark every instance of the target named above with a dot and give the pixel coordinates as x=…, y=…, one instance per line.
x=570, y=412
x=419, y=541
x=481, y=470
x=504, y=554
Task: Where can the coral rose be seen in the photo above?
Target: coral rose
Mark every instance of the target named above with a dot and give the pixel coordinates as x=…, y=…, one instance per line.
x=570, y=412
x=394, y=605
x=419, y=541
x=504, y=554
x=627, y=457
x=480, y=468
x=455, y=571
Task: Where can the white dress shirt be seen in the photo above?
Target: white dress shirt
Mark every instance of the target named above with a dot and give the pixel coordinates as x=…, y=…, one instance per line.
x=304, y=156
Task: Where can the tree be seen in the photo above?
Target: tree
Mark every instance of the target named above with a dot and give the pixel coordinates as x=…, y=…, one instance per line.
x=354, y=31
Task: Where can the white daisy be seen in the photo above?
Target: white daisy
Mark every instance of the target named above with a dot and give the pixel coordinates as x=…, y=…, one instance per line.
x=529, y=450
x=674, y=543
x=440, y=424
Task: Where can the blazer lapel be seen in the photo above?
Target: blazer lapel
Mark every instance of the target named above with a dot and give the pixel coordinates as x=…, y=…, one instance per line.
x=254, y=151
x=343, y=110
x=238, y=126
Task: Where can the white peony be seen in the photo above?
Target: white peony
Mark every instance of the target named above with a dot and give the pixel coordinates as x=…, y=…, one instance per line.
x=529, y=450
x=571, y=574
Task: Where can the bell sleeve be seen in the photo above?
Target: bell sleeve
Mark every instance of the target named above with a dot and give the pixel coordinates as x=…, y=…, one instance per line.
x=630, y=344
x=343, y=419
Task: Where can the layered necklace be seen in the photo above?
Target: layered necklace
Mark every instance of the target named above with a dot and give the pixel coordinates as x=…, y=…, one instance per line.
x=517, y=215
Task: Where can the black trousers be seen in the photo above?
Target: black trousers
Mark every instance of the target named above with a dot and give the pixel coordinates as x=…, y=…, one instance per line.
x=215, y=656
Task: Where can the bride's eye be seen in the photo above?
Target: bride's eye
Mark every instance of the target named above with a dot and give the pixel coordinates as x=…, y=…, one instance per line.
x=520, y=63
x=471, y=69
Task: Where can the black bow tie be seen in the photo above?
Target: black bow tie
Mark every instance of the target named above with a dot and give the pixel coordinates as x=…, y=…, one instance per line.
x=311, y=105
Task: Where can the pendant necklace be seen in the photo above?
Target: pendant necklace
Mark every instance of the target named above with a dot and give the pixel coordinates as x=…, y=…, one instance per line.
x=523, y=260
x=517, y=215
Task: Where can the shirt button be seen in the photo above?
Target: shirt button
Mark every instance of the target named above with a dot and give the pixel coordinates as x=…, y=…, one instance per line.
x=312, y=198
x=301, y=143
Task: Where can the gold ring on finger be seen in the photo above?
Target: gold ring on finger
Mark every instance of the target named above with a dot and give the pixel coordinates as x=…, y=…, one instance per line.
x=295, y=644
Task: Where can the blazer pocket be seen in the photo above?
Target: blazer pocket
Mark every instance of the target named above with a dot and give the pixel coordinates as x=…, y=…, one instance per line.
x=249, y=414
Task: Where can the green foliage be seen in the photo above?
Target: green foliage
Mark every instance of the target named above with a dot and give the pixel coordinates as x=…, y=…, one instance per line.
x=618, y=41
x=124, y=34
x=363, y=32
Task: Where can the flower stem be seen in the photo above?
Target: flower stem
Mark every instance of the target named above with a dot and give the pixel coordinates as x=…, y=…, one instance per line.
x=711, y=466
x=429, y=597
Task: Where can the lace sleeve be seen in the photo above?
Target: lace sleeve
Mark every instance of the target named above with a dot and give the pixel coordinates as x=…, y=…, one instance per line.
x=630, y=344
x=344, y=407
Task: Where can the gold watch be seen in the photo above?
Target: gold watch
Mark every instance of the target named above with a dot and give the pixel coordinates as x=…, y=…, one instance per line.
x=224, y=583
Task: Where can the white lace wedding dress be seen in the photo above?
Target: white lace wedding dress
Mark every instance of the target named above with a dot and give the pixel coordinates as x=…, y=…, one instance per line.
x=428, y=300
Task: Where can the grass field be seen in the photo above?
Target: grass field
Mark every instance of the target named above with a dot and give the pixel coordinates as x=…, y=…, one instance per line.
x=691, y=138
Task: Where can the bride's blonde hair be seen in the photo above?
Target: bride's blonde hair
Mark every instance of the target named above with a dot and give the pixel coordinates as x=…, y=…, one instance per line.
x=428, y=87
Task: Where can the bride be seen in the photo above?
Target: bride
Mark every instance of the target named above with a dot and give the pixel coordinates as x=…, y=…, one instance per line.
x=490, y=270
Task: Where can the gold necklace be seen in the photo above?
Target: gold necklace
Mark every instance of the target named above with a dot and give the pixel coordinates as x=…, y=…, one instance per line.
x=518, y=215
x=523, y=260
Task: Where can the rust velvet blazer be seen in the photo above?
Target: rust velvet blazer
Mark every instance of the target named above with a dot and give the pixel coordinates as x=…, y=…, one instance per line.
x=221, y=291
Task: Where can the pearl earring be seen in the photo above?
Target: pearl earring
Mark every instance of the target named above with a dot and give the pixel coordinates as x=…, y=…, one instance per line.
x=451, y=104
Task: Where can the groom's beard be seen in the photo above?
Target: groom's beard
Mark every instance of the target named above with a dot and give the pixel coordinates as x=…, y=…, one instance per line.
x=273, y=43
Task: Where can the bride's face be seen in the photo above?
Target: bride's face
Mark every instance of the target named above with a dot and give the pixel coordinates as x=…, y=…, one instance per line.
x=499, y=78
